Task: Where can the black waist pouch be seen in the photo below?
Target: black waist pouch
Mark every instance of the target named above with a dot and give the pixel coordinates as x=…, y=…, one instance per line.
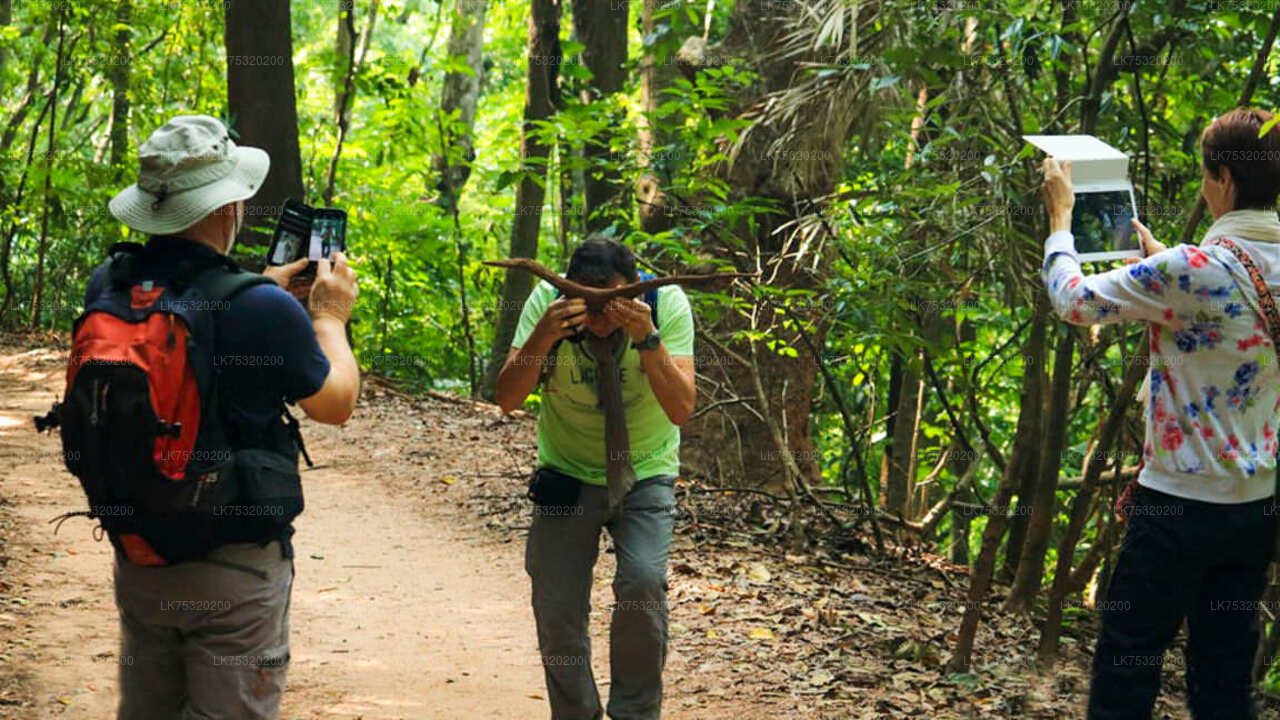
x=552, y=488
x=270, y=490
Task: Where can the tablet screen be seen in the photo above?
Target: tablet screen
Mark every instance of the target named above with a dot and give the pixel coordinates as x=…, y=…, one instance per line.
x=1101, y=223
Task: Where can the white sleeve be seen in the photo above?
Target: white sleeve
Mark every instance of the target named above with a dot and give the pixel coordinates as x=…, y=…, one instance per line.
x=1156, y=289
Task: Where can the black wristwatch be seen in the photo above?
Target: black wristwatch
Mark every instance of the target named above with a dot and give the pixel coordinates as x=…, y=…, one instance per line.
x=650, y=341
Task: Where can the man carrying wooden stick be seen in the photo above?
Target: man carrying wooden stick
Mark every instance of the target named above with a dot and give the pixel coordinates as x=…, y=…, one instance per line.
x=608, y=455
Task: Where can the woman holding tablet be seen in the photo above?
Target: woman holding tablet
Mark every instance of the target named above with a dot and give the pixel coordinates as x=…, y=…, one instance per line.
x=1201, y=518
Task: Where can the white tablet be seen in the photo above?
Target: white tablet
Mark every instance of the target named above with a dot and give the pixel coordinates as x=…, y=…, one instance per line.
x=1105, y=203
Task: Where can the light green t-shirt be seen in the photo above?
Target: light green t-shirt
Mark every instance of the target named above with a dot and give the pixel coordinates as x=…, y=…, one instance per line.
x=571, y=426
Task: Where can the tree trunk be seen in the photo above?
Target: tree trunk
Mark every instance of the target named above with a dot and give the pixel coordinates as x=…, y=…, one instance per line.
x=1104, y=541
x=564, y=194
x=651, y=201
x=347, y=98
x=10, y=133
x=6, y=17
x=1020, y=518
x=1026, y=437
x=6, y=251
x=1265, y=656
x=1081, y=506
x=902, y=463
x=891, y=417
x=1030, y=567
x=602, y=29
x=540, y=100
x=460, y=93
x=1028, y=474
x=922, y=495
x=735, y=439
x=960, y=521
x=344, y=47
x=811, y=121
x=459, y=98
x=37, y=290
x=29, y=97
x=959, y=465
x=120, y=85
x=262, y=102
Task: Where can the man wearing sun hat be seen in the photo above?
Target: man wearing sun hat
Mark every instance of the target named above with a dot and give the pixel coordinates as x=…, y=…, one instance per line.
x=209, y=638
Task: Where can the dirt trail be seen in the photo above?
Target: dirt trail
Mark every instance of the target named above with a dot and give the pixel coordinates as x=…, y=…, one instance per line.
x=411, y=602
x=402, y=606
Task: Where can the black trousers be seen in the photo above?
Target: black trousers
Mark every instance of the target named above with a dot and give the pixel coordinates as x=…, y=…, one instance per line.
x=1180, y=558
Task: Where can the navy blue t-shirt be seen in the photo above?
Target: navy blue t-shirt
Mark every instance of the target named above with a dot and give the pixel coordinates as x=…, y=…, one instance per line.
x=265, y=351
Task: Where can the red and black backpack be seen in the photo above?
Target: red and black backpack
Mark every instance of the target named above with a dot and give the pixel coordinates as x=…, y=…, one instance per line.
x=141, y=424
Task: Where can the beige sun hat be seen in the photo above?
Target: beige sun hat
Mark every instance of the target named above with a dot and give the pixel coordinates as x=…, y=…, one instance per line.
x=187, y=169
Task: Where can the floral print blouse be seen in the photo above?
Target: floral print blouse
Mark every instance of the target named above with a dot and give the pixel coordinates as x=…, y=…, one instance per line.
x=1214, y=380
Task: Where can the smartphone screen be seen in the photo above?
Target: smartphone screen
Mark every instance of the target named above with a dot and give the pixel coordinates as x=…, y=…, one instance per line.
x=1101, y=223
x=287, y=248
x=291, y=234
x=328, y=234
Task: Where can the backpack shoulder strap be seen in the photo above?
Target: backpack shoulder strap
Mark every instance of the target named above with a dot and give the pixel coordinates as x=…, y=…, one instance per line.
x=651, y=298
x=217, y=282
x=221, y=282
x=124, y=260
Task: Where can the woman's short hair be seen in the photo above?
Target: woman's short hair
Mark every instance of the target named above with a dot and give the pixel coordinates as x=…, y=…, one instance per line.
x=596, y=260
x=1232, y=141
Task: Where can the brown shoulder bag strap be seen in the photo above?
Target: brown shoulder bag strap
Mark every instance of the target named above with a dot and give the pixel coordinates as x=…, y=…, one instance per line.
x=1269, y=313
x=1272, y=318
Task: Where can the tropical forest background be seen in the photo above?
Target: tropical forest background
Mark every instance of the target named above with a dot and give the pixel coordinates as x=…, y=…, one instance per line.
x=892, y=378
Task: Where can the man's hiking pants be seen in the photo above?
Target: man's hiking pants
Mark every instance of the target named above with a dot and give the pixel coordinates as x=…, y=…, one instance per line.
x=205, y=641
x=559, y=557
x=1180, y=558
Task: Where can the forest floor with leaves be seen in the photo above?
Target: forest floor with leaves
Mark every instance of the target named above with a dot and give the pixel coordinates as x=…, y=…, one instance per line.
x=410, y=599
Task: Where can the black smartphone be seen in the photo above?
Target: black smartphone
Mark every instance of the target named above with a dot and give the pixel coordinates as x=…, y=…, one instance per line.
x=304, y=231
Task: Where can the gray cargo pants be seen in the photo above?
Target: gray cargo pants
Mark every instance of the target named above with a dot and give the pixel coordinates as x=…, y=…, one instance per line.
x=560, y=556
x=202, y=641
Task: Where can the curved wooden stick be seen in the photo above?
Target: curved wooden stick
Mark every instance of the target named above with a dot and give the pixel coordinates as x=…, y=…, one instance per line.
x=620, y=473
x=596, y=297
